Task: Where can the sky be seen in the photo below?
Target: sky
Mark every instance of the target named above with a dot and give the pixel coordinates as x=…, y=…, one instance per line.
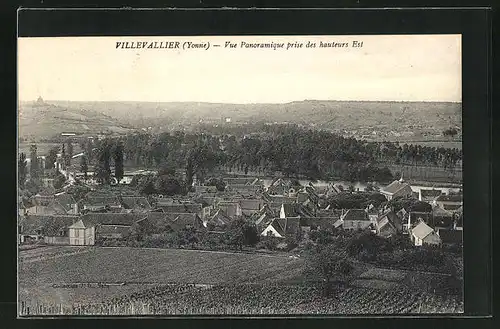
x=385, y=68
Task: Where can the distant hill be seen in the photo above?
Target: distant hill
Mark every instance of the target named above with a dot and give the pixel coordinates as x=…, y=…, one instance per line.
x=421, y=117
x=42, y=119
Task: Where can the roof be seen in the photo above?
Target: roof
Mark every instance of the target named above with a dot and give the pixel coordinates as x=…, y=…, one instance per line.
x=96, y=198
x=65, y=200
x=395, y=187
x=78, y=225
x=181, y=220
x=318, y=221
x=111, y=229
x=440, y=212
x=451, y=236
x=290, y=210
x=53, y=209
x=433, y=193
x=132, y=202
x=388, y=218
x=250, y=204
x=452, y=207
x=49, y=225
x=355, y=214
x=240, y=180
x=286, y=226
x=450, y=198
x=111, y=218
x=421, y=230
x=219, y=219
x=181, y=207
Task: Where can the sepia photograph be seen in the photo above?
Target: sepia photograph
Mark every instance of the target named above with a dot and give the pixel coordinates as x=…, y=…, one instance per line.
x=240, y=175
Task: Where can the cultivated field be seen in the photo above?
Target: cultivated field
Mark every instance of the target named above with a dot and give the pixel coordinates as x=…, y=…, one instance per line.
x=114, y=281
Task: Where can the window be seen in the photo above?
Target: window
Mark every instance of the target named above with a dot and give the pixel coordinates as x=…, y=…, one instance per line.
x=76, y=233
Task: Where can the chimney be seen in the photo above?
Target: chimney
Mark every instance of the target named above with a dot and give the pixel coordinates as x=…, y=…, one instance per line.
x=75, y=208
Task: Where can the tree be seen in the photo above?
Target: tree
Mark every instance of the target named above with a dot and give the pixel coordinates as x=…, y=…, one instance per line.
x=21, y=165
x=328, y=263
x=51, y=158
x=33, y=162
x=69, y=152
x=118, y=159
x=84, y=166
x=241, y=233
x=103, y=168
x=59, y=181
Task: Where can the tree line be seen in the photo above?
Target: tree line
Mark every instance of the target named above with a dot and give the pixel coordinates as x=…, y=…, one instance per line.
x=291, y=150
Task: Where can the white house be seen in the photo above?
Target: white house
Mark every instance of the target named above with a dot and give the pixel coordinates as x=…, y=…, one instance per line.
x=82, y=234
x=424, y=234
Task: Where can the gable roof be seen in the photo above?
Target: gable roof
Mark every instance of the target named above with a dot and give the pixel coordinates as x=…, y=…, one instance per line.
x=356, y=214
x=218, y=219
x=440, y=212
x=421, y=230
x=65, y=200
x=395, y=187
x=286, y=226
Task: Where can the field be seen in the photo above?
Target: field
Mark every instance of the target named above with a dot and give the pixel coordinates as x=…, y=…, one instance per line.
x=121, y=281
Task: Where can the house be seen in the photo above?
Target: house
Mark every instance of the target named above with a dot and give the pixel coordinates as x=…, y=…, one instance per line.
x=413, y=218
x=82, y=233
x=250, y=206
x=230, y=209
x=422, y=234
x=67, y=202
x=206, y=189
x=184, y=207
x=428, y=195
x=398, y=188
x=294, y=210
x=51, y=229
x=355, y=219
x=332, y=190
x=45, y=206
x=282, y=227
x=135, y=203
x=450, y=237
x=388, y=224
x=442, y=217
x=179, y=221
x=111, y=225
x=95, y=201
x=217, y=220
x=317, y=223
x=449, y=200
x=275, y=199
x=279, y=187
